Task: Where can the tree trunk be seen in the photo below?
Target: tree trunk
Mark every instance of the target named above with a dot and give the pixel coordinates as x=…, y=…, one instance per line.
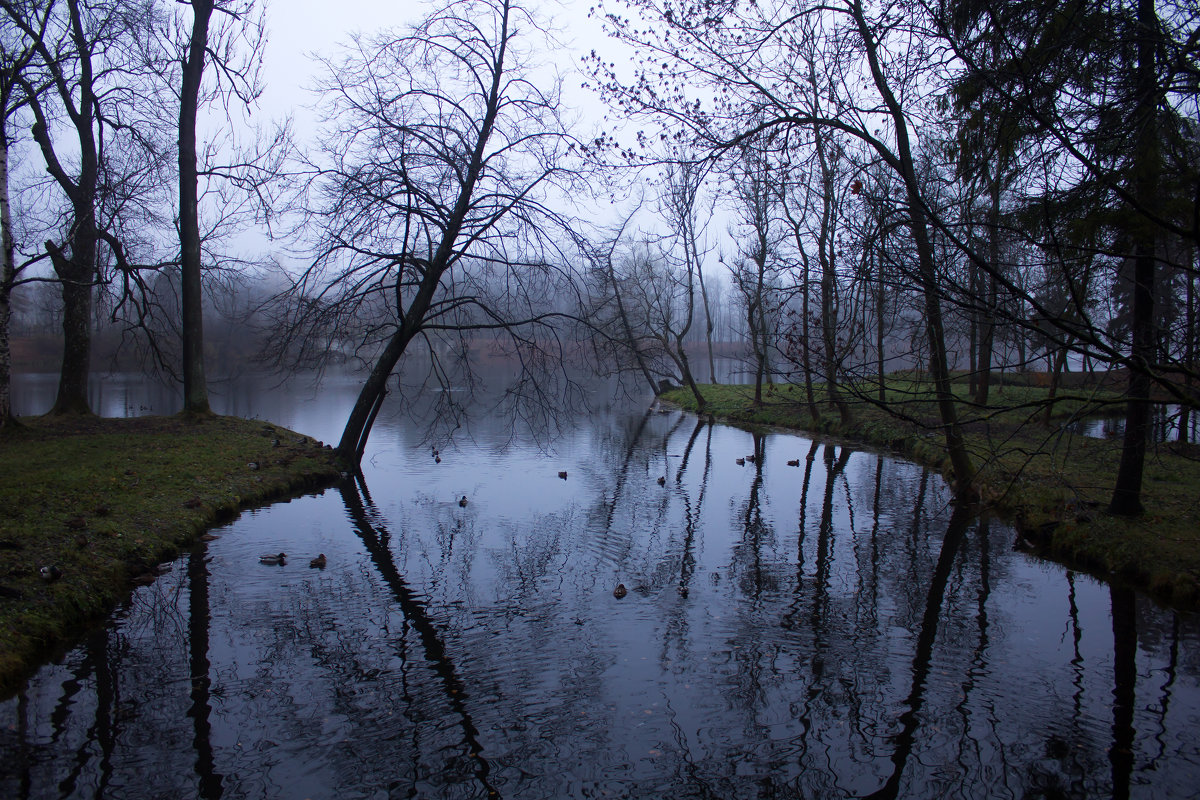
x=7, y=275
x=988, y=328
x=366, y=407
x=629, y=337
x=1189, y=349
x=1127, y=492
x=879, y=317
x=826, y=252
x=195, y=388
x=1056, y=368
x=956, y=450
x=814, y=410
x=76, y=274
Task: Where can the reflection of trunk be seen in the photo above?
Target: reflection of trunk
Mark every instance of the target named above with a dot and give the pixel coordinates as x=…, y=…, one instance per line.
x=752, y=523
x=198, y=621
x=802, y=529
x=910, y=720
x=687, y=564
x=623, y=472
x=416, y=612
x=833, y=468
x=1124, y=622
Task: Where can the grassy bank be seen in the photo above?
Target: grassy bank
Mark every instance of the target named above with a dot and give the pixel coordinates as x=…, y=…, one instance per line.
x=105, y=500
x=1053, y=484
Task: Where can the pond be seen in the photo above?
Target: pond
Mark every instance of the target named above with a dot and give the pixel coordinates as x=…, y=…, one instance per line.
x=816, y=621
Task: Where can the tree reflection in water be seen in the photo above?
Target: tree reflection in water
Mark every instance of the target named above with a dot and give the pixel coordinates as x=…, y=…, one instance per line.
x=836, y=628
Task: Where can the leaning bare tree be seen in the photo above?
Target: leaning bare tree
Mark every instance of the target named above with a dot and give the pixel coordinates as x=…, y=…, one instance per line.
x=430, y=201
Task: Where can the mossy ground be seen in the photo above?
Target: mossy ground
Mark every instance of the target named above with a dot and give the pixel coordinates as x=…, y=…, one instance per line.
x=107, y=499
x=1053, y=484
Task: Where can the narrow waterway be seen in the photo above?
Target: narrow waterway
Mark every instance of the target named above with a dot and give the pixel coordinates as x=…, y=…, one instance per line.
x=815, y=621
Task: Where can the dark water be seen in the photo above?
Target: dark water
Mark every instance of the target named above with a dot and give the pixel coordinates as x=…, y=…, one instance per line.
x=832, y=629
x=1167, y=424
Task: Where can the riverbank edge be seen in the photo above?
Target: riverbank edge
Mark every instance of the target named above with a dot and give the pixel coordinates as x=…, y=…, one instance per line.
x=1053, y=524
x=253, y=463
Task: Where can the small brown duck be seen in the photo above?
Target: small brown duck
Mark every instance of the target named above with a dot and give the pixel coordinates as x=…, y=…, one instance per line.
x=279, y=559
x=795, y=462
x=620, y=591
x=318, y=562
x=741, y=462
x=563, y=474
x=463, y=501
x=662, y=481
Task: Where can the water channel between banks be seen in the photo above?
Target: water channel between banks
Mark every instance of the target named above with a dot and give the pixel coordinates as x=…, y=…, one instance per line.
x=829, y=629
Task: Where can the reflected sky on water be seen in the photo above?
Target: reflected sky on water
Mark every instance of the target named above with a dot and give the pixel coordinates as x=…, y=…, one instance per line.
x=828, y=628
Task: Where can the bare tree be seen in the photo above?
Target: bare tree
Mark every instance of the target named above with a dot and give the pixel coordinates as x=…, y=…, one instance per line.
x=240, y=79
x=751, y=57
x=92, y=77
x=430, y=200
x=680, y=204
x=753, y=269
x=14, y=59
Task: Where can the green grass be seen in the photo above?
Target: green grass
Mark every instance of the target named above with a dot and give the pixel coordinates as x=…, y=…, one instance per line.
x=1053, y=485
x=107, y=499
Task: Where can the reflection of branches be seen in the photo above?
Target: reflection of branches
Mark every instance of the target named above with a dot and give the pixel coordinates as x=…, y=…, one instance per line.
x=416, y=612
x=910, y=720
x=790, y=616
x=198, y=620
x=1124, y=624
x=688, y=562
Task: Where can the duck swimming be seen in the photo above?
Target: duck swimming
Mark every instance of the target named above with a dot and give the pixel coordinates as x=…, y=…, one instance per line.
x=463, y=501
x=620, y=591
x=280, y=559
x=318, y=562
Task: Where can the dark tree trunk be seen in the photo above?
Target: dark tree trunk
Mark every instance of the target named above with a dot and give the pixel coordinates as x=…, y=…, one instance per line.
x=988, y=323
x=358, y=426
x=195, y=388
x=956, y=450
x=76, y=274
x=1127, y=492
x=7, y=267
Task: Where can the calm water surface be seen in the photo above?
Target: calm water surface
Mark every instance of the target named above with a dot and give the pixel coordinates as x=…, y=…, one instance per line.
x=830, y=629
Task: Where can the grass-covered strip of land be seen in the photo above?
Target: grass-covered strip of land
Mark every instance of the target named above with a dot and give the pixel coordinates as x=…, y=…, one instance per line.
x=105, y=500
x=1055, y=485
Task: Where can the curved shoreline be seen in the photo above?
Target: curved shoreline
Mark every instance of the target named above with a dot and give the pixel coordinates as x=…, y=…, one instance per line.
x=105, y=500
x=1051, y=484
